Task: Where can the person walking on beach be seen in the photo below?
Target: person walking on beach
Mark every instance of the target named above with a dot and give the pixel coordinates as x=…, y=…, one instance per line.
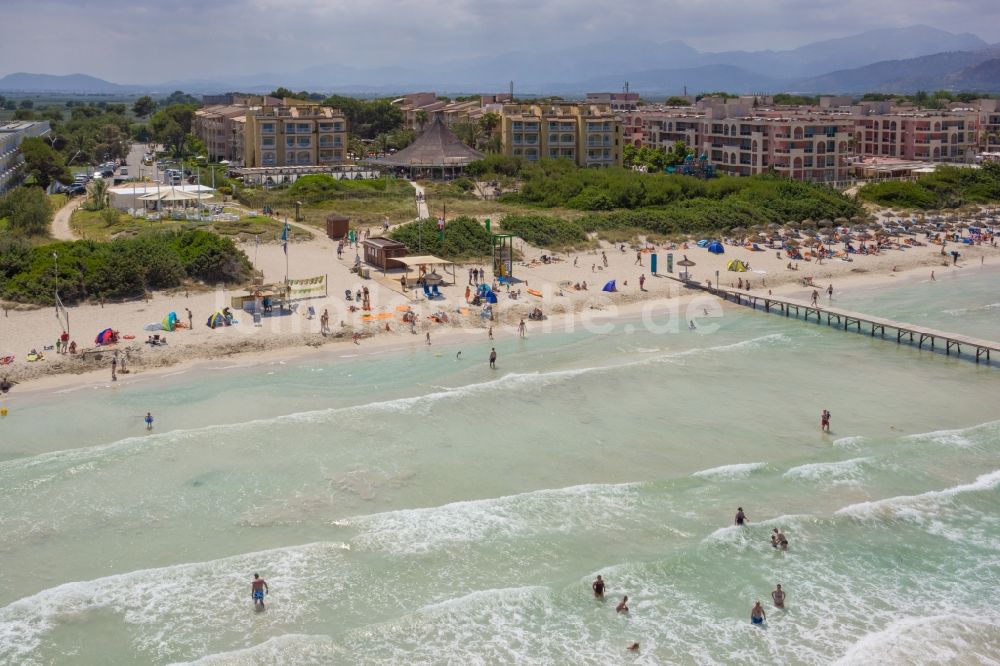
x=63, y=343
x=520, y=328
x=493, y=358
x=324, y=322
x=824, y=421
x=741, y=517
x=638, y=258
x=114, y=368
x=598, y=587
x=489, y=333
x=757, y=615
x=778, y=596
x=604, y=258
x=258, y=588
x=642, y=282
x=468, y=293
x=190, y=319
x=149, y=421
x=829, y=292
x=815, y=297
x=933, y=279
x=428, y=337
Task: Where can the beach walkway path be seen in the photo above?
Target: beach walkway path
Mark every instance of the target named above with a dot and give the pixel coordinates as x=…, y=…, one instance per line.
x=61, y=230
x=855, y=321
x=422, y=211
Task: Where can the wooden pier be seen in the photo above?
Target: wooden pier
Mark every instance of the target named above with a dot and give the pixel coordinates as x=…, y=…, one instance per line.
x=847, y=320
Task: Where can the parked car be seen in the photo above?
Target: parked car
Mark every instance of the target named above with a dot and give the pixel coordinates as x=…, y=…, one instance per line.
x=123, y=171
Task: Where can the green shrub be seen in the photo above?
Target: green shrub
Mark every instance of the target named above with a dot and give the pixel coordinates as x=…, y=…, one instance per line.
x=545, y=231
x=464, y=238
x=947, y=187
x=123, y=268
x=28, y=211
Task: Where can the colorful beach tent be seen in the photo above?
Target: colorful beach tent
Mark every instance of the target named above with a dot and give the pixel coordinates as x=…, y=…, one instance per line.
x=703, y=242
x=217, y=320
x=715, y=247
x=486, y=293
x=169, y=322
x=105, y=337
x=737, y=266
x=610, y=286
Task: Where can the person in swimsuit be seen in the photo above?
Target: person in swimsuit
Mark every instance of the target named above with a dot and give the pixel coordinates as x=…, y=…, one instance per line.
x=741, y=517
x=778, y=596
x=824, y=421
x=780, y=539
x=598, y=587
x=258, y=588
x=493, y=358
x=149, y=421
x=622, y=606
x=634, y=647
x=757, y=615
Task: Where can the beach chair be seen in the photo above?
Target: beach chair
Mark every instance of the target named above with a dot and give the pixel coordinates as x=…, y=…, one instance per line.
x=311, y=312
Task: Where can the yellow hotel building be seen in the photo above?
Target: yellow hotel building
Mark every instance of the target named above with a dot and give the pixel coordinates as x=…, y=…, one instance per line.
x=589, y=135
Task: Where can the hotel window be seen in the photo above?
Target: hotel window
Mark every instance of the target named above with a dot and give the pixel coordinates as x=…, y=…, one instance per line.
x=267, y=158
x=553, y=153
x=289, y=128
x=290, y=157
x=304, y=157
x=267, y=142
x=553, y=138
x=326, y=127
x=305, y=142
x=304, y=128
x=338, y=127
x=267, y=128
x=289, y=142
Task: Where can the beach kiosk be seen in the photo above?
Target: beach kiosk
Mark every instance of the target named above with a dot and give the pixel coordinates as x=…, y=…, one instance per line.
x=384, y=253
x=337, y=226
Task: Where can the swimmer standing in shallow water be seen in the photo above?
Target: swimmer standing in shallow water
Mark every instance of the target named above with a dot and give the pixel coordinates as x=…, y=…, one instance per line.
x=757, y=614
x=741, y=517
x=598, y=587
x=258, y=588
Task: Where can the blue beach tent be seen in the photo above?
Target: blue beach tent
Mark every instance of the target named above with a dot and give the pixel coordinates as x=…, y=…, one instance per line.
x=610, y=286
x=715, y=247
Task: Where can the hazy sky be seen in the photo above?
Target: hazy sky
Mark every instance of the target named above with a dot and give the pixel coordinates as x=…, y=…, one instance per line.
x=144, y=41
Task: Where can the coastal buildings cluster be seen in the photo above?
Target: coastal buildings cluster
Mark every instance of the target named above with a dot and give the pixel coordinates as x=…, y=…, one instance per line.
x=836, y=140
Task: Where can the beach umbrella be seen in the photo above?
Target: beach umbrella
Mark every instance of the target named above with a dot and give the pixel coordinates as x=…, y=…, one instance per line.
x=826, y=222
x=808, y=222
x=685, y=262
x=842, y=221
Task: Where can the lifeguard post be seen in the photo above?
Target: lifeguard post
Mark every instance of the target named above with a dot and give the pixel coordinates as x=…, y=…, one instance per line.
x=503, y=256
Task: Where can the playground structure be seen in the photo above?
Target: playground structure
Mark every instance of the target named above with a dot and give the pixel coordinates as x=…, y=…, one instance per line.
x=700, y=168
x=503, y=256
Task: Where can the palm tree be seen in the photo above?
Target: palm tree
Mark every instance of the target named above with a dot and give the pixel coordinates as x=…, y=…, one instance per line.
x=488, y=124
x=421, y=118
x=99, y=193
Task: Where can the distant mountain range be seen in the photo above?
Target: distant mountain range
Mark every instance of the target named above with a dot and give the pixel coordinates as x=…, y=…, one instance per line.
x=893, y=60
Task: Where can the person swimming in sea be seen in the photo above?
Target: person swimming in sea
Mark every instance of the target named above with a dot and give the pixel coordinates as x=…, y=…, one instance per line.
x=757, y=614
x=622, y=606
x=778, y=539
x=778, y=596
x=258, y=588
x=598, y=587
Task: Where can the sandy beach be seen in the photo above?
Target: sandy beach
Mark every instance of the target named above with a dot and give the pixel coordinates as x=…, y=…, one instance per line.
x=24, y=329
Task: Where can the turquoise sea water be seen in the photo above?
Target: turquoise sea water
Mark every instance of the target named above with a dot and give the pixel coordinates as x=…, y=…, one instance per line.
x=412, y=508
